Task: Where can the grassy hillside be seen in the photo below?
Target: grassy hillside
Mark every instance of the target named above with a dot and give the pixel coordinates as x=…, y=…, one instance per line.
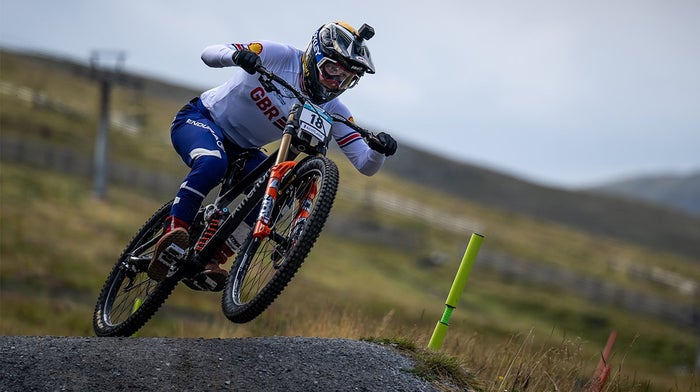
x=366, y=276
x=621, y=218
x=55, y=258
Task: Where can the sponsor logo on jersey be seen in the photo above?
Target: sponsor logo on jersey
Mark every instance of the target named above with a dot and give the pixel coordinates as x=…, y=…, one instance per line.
x=255, y=47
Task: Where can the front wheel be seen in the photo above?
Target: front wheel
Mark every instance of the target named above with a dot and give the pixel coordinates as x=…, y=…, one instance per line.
x=264, y=267
x=129, y=297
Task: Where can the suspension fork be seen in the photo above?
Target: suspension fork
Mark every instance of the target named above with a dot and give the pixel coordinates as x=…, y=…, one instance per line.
x=262, y=226
x=305, y=207
x=282, y=166
x=304, y=210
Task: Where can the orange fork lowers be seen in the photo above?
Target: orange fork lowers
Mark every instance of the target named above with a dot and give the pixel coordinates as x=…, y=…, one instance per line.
x=262, y=226
x=304, y=209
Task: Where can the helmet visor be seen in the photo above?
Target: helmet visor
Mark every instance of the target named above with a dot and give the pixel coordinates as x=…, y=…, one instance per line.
x=334, y=76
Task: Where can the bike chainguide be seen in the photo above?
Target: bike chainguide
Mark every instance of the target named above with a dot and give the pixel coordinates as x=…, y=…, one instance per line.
x=274, y=249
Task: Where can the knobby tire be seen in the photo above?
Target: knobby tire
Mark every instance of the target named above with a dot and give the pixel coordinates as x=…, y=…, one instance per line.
x=129, y=298
x=264, y=268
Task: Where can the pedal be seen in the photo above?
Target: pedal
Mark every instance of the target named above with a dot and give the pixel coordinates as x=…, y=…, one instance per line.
x=171, y=255
x=201, y=282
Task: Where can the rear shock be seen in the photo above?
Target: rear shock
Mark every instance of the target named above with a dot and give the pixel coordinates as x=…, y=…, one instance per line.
x=214, y=217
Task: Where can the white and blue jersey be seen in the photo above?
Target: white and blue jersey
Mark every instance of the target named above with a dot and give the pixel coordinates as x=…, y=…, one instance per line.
x=252, y=117
x=239, y=114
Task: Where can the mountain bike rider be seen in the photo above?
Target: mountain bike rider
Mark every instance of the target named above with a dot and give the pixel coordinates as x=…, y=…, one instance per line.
x=217, y=126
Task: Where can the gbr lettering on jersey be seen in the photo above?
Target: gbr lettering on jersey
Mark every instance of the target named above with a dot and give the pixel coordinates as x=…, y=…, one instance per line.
x=264, y=103
x=258, y=94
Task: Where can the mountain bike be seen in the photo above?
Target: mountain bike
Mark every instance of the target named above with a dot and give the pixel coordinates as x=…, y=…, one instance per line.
x=287, y=199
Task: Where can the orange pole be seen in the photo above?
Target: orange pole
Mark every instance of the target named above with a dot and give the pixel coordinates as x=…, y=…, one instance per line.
x=601, y=373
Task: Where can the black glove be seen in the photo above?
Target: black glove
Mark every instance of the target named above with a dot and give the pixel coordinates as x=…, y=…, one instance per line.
x=383, y=143
x=247, y=60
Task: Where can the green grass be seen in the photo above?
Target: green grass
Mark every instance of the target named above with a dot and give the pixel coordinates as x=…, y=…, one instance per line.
x=441, y=369
x=57, y=244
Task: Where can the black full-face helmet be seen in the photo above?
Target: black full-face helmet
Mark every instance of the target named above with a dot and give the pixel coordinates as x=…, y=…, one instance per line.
x=335, y=60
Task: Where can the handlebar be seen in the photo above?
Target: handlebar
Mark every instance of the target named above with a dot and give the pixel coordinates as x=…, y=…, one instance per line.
x=336, y=117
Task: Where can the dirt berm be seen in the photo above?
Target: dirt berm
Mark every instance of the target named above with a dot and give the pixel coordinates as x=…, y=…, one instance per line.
x=39, y=363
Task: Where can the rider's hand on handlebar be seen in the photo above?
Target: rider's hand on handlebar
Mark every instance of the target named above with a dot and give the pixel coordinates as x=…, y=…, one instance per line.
x=383, y=143
x=247, y=60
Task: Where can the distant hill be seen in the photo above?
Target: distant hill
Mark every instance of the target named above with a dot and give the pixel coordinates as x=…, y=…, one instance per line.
x=681, y=192
x=146, y=84
x=630, y=220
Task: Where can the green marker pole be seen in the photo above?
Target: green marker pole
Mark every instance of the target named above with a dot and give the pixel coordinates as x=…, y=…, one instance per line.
x=460, y=281
x=137, y=304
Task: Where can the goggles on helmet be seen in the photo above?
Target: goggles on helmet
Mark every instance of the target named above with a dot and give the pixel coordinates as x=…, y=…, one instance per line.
x=335, y=75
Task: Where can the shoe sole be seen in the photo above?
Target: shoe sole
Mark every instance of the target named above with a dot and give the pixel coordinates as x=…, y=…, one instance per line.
x=158, y=270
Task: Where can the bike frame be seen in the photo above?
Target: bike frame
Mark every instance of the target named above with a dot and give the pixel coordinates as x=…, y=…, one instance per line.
x=236, y=217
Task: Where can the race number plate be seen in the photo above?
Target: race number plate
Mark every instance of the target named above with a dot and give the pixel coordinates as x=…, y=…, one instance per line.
x=315, y=121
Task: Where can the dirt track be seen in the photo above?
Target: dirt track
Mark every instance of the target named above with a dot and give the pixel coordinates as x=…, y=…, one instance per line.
x=159, y=364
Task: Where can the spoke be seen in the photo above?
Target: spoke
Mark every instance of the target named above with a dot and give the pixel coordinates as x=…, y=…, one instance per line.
x=152, y=242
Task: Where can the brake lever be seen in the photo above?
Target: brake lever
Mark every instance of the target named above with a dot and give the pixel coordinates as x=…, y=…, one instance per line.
x=267, y=84
x=369, y=136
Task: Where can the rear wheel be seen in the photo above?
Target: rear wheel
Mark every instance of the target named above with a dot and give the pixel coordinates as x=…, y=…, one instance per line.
x=264, y=267
x=129, y=297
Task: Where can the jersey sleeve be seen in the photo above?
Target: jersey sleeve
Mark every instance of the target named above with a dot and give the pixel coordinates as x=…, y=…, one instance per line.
x=218, y=56
x=366, y=160
x=271, y=53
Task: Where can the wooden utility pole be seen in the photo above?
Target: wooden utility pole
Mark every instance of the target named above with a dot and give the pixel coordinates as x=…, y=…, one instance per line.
x=106, y=68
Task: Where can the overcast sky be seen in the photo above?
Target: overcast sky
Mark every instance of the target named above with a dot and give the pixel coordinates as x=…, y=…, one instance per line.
x=564, y=93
